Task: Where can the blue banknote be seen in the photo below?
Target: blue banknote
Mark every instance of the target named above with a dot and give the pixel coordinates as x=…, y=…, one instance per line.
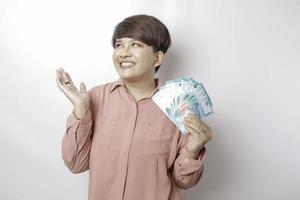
x=183, y=96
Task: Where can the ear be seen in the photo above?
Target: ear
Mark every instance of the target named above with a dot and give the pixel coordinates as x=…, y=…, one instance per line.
x=158, y=58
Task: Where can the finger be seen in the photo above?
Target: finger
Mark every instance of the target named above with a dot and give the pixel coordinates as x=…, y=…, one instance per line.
x=61, y=86
x=59, y=77
x=66, y=79
x=61, y=82
x=196, y=120
x=191, y=130
x=69, y=79
x=183, y=105
x=60, y=72
x=196, y=134
x=192, y=120
x=62, y=69
x=58, y=83
x=196, y=126
x=82, y=87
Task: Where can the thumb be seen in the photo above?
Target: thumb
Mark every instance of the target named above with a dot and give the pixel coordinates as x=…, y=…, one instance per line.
x=82, y=87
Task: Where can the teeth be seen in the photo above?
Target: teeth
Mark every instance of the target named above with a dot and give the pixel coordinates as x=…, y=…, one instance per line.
x=127, y=64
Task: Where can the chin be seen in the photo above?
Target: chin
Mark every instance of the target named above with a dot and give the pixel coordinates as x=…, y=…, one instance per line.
x=127, y=76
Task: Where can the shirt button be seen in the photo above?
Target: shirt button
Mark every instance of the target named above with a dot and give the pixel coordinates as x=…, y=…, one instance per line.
x=181, y=178
x=186, y=160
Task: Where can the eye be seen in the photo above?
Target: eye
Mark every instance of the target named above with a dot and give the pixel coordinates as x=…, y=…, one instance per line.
x=135, y=44
x=117, y=45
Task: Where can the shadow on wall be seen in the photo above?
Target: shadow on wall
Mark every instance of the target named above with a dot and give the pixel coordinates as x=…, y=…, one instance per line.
x=171, y=66
x=217, y=168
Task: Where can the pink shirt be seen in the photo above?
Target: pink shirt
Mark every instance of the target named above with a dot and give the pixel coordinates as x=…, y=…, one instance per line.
x=132, y=150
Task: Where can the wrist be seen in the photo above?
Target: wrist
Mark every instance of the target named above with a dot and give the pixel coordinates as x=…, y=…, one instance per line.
x=79, y=112
x=192, y=154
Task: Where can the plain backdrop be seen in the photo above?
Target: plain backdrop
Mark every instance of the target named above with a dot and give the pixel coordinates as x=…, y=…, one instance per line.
x=245, y=52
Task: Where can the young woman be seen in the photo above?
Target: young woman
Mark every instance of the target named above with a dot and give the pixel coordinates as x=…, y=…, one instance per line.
x=132, y=150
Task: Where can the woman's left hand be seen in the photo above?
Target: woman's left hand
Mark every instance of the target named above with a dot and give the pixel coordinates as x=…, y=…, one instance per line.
x=199, y=134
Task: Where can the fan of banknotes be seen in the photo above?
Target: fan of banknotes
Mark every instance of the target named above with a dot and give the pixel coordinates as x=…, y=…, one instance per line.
x=182, y=96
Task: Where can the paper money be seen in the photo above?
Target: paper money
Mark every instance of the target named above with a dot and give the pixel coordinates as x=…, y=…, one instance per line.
x=183, y=96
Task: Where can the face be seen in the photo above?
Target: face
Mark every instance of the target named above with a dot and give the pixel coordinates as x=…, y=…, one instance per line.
x=135, y=60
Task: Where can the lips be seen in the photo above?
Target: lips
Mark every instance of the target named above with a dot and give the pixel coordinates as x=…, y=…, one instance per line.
x=127, y=63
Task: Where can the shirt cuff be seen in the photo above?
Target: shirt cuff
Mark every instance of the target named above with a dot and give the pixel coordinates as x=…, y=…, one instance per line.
x=187, y=162
x=83, y=122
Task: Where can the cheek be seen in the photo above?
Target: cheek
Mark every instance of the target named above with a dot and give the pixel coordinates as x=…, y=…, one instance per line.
x=149, y=60
x=114, y=61
x=145, y=58
x=114, y=56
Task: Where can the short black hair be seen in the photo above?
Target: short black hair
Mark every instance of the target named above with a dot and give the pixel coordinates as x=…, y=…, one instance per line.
x=145, y=28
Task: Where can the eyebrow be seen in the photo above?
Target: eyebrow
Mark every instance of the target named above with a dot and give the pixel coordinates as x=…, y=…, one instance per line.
x=119, y=40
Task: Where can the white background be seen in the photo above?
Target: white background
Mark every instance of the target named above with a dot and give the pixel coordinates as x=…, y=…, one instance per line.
x=246, y=53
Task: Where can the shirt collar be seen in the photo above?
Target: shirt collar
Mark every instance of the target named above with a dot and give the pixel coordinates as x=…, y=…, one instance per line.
x=120, y=82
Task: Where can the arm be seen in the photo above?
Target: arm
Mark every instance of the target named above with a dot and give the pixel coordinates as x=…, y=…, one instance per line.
x=187, y=171
x=77, y=140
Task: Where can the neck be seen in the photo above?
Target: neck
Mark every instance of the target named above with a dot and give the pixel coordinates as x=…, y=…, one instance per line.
x=140, y=88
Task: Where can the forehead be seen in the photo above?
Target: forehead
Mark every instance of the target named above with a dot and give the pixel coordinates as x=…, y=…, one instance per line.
x=126, y=39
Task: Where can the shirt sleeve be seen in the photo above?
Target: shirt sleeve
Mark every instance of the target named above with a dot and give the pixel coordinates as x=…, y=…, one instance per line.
x=187, y=171
x=77, y=139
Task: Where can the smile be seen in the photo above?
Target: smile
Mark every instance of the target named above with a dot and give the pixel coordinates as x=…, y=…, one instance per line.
x=127, y=64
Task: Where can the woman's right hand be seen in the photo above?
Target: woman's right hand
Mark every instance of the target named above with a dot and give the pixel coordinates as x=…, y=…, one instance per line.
x=79, y=99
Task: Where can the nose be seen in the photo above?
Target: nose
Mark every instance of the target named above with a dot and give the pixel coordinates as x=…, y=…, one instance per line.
x=125, y=52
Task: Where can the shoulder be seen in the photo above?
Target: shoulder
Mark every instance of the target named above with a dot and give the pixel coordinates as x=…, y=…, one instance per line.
x=103, y=88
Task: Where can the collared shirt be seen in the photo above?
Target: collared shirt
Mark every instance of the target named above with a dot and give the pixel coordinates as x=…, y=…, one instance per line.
x=131, y=149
